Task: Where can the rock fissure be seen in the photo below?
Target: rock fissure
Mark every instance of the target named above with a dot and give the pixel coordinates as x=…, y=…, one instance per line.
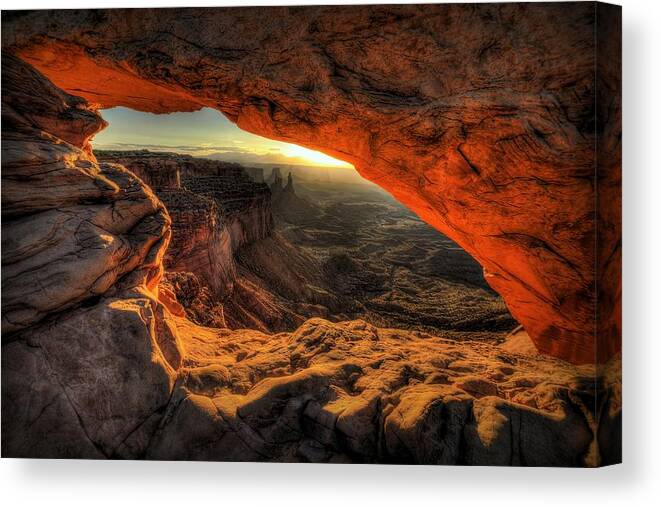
x=63, y=390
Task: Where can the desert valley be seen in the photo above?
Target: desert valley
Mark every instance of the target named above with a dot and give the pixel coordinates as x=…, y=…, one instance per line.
x=267, y=253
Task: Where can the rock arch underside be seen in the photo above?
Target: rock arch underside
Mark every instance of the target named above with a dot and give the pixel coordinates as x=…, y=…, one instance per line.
x=486, y=120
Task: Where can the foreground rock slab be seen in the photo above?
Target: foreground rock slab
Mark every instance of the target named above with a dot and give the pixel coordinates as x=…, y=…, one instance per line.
x=351, y=392
x=130, y=380
x=90, y=384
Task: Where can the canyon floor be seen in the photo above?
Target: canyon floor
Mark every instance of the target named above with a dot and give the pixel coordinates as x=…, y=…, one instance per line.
x=347, y=250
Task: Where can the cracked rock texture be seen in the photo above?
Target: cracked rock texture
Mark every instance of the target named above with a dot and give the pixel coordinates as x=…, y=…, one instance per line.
x=480, y=118
x=95, y=362
x=72, y=229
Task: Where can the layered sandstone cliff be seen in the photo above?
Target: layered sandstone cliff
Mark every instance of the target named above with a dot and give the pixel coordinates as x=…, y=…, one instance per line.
x=87, y=357
x=481, y=119
x=215, y=208
x=73, y=229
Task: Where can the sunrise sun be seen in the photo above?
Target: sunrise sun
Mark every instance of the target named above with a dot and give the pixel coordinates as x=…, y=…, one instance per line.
x=314, y=157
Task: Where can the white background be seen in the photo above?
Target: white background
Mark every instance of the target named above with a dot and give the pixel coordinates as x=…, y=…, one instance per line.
x=636, y=482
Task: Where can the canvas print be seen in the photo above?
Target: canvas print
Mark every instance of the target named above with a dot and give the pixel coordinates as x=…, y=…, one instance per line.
x=385, y=234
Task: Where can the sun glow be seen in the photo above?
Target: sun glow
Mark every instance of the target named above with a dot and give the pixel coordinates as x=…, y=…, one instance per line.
x=313, y=157
x=205, y=133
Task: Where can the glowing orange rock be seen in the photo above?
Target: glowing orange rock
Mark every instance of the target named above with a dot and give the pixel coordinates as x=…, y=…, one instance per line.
x=480, y=118
x=169, y=300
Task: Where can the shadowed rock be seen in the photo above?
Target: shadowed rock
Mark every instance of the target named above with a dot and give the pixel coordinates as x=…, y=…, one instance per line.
x=73, y=229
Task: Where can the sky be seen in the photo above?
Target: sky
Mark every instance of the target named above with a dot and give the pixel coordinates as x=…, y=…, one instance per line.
x=204, y=133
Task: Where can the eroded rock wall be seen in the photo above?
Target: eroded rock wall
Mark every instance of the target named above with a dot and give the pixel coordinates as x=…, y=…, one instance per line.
x=245, y=204
x=88, y=360
x=201, y=241
x=480, y=118
x=73, y=229
x=215, y=207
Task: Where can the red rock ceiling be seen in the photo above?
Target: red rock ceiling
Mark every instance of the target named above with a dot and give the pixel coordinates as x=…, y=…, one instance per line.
x=480, y=120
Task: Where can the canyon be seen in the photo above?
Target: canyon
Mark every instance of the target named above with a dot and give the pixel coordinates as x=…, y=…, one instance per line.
x=99, y=359
x=381, y=263
x=242, y=257
x=467, y=147
x=215, y=209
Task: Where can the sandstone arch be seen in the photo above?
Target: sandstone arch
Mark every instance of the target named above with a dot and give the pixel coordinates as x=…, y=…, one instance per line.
x=484, y=120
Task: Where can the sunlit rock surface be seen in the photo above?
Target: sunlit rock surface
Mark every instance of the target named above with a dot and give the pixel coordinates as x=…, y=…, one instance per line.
x=351, y=392
x=480, y=118
x=95, y=362
x=345, y=392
